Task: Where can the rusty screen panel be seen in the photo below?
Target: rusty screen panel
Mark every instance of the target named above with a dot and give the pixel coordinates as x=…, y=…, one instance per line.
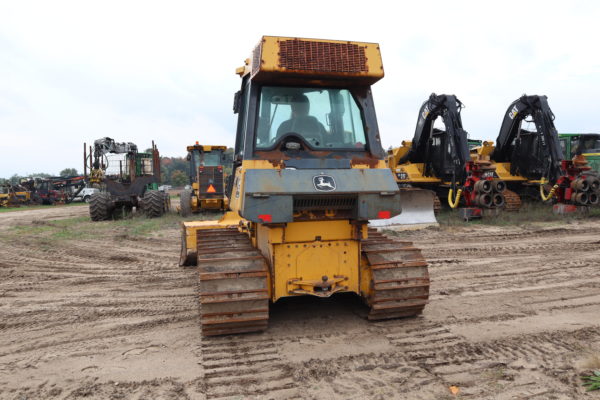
x=322, y=56
x=256, y=59
x=210, y=176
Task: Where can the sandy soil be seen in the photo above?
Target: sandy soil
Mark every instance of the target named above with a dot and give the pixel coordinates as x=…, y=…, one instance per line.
x=23, y=215
x=514, y=314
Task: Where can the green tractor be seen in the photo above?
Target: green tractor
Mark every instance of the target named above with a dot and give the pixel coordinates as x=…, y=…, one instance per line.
x=126, y=179
x=588, y=143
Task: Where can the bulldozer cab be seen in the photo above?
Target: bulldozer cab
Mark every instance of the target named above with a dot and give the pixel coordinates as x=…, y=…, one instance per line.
x=201, y=158
x=316, y=123
x=315, y=118
x=207, y=170
x=308, y=126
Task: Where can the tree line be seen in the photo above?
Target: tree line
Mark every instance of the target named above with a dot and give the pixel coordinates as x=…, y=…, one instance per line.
x=173, y=171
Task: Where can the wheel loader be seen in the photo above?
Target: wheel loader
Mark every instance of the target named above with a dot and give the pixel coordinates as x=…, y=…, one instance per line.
x=126, y=178
x=207, y=180
x=531, y=161
x=309, y=174
x=439, y=160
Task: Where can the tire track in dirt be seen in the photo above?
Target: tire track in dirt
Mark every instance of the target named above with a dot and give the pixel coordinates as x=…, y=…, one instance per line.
x=119, y=309
x=511, y=316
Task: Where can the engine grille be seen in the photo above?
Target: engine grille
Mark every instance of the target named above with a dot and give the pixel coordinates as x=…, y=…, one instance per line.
x=210, y=176
x=322, y=56
x=324, y=203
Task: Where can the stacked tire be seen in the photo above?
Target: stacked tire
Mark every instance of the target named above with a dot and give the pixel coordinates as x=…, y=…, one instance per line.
x=587, y=190
x=489, y=193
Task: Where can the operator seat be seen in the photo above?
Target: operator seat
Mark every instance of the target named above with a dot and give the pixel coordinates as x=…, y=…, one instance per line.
x=308, y=126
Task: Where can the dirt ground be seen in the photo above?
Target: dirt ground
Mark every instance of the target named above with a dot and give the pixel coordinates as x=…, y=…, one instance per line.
x=107, y=313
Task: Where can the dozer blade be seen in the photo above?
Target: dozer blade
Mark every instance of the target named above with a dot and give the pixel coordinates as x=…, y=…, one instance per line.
x=190, y=230
x=417, y=209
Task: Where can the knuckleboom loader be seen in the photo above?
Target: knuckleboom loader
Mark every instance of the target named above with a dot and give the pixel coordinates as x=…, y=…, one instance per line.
x=532, y=163
x=439, y=160
x=309, y=175
x=207, y=180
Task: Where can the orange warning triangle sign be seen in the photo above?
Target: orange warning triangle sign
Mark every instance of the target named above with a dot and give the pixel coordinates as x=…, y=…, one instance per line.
x=211, y=189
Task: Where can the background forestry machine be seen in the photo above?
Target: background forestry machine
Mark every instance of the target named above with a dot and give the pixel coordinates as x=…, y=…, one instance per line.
x=126, y=179
x=14, y=195
x=531, y=162
x=439, y=160
x=586, y=143
x=207, y=179
x=309, y=174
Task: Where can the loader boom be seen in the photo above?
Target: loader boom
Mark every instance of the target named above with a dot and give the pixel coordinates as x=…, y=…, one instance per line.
x=534, y=155
x=444, y=154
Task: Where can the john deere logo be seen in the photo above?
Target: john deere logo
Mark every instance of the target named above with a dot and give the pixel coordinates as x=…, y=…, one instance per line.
x=324, y=183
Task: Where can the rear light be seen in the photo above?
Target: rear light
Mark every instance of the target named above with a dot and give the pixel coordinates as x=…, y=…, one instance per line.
x=384, y=215
x=265, y=218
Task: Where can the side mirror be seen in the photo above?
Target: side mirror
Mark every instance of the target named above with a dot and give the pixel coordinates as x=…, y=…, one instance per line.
x=237, y=102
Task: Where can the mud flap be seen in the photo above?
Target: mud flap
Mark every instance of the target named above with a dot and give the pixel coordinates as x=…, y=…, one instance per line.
x=417, y=209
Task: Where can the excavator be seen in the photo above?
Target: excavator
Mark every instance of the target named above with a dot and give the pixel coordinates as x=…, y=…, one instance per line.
x=439, y=160
x=309, y=174
x=531, y=161
x=207, y=179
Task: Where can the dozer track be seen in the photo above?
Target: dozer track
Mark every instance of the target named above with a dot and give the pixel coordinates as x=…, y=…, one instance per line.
x=512, y=201
x=232, y=286
x=400, y=278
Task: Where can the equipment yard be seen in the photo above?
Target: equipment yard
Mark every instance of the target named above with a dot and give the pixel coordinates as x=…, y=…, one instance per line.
x=512, y=315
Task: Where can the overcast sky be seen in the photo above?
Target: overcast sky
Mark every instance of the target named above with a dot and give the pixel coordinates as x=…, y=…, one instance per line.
x=74, y=71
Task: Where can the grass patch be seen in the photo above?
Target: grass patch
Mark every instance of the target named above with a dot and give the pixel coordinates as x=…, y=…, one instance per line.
x=592, y=382
x=81, y=228
x=529, y=212
x=38, y=207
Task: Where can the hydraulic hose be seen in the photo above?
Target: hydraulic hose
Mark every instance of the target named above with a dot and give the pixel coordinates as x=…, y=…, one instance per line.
x=454, y=203
x=550, y=194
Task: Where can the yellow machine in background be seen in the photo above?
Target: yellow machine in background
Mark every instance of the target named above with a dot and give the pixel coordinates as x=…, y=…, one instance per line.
x=439, y=160
x=309, y=175
x=531, y=161
x=14, y=195
x=408, y=173
x=207, y=174
x=502, y=168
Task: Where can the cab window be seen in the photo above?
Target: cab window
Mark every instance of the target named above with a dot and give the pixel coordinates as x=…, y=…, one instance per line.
x=323, y=118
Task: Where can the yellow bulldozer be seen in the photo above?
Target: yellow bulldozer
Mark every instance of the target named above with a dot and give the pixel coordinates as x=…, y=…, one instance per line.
x=207, y=180
x=309, y=174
